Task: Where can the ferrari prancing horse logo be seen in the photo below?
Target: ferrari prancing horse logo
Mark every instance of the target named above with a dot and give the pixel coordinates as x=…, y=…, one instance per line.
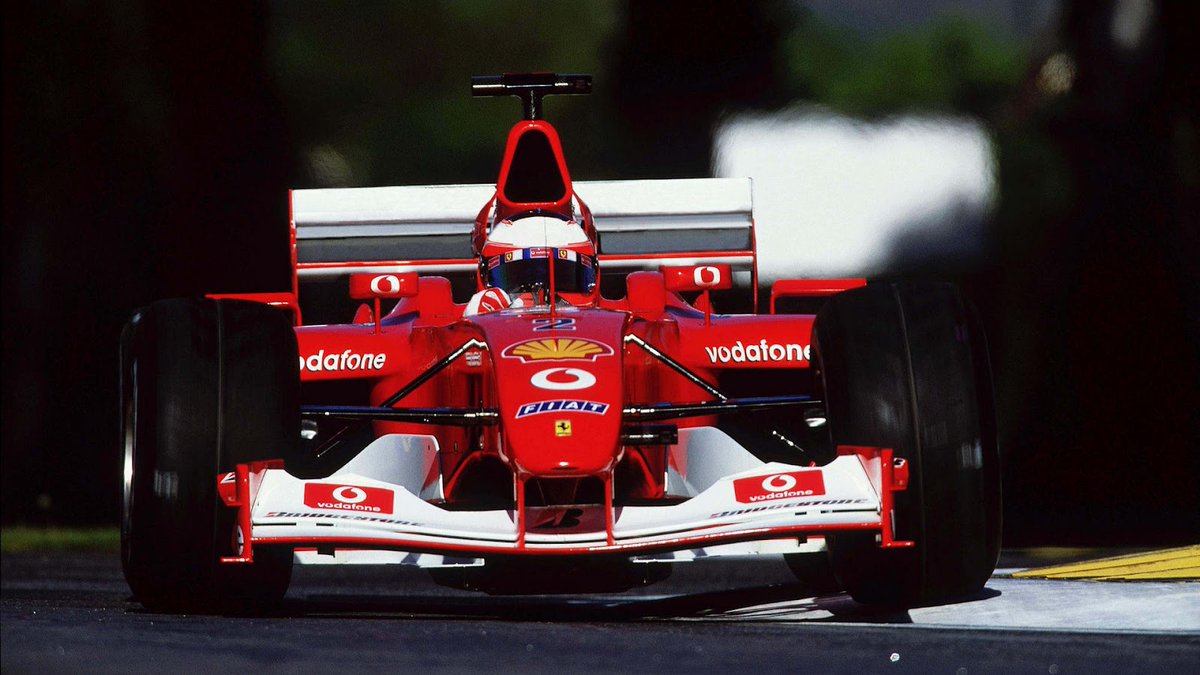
x=562, y=428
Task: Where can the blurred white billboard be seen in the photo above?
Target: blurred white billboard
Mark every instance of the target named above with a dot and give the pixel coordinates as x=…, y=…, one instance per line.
x=837, y=197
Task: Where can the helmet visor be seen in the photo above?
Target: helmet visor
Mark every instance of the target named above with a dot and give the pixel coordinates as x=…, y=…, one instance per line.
x=528, y=269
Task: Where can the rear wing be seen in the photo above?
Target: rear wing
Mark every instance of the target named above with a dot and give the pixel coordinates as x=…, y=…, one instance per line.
x=427, y=229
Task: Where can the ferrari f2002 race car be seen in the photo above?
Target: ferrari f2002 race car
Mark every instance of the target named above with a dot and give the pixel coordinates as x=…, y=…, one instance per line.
x=501, y=412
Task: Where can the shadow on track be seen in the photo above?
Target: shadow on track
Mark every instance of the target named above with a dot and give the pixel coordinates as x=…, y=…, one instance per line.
x=759, y=603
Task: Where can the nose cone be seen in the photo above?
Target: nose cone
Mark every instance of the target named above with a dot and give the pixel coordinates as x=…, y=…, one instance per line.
x=560, y=389
x=568, y=421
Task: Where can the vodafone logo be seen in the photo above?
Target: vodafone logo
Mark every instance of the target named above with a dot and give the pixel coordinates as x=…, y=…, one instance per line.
x=779, y=483
x=347, y=360
x=348, y=494
x=385, y=284
x=698, y=278
x=562, y=379
x=366, y=286
x=348, y=498
x=706, y=276
x=761, y=352
x=779, y=486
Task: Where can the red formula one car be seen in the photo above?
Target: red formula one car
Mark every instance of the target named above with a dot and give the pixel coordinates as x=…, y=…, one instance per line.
x=545, y=436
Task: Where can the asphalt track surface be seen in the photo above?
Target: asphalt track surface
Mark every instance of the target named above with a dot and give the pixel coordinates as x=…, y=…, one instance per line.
x=65, y=613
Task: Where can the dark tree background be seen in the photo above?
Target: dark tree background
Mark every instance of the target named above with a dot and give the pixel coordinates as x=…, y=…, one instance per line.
x=148, y=148
x=145, y=156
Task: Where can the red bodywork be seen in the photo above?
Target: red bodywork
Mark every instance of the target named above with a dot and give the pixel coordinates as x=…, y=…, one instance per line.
x=559, y=377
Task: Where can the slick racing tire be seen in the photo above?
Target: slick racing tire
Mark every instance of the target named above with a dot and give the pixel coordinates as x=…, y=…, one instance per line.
x=814, y=572
x=205, y=385
x=904, y=366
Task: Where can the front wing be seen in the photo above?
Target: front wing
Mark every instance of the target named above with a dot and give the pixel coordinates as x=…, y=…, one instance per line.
x=352, y=512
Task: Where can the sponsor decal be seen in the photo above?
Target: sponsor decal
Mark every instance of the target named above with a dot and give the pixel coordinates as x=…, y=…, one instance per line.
x=562, y=379
x=779, y=486
x=790, y=505
x=341, y=516
x=363, y=286
x=562, y=428
x=348, y=497
x=540, y=252
x=562, y=405
x=347, y=360
x=762, y=352
x=385, y=284
x=706, y=276
x=557, y=349
x=541, y=325
x=474, y=358
x=699, y=278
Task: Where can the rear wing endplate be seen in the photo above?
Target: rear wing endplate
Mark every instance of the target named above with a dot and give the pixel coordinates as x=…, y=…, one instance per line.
x=427, y=229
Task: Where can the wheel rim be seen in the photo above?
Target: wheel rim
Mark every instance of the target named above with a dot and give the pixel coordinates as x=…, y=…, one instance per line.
x=129, y=435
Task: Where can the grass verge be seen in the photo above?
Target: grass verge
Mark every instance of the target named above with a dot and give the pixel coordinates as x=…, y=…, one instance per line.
x=23, y=539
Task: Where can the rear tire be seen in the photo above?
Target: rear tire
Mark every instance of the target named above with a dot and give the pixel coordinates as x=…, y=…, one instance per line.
x=904, y=366
x=205, y=385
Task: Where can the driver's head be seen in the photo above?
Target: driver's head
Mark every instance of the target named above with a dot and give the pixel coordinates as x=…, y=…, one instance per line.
x=518, y=255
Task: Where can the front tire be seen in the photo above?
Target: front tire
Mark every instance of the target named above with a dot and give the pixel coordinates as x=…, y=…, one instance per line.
x=205, y=385
x=904, y=366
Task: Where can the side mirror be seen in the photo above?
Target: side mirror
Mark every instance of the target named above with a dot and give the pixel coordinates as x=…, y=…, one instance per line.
x=646, y=295
x=368, y=286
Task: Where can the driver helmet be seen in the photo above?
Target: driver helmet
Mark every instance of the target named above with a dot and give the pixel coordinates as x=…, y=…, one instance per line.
x=520, y=252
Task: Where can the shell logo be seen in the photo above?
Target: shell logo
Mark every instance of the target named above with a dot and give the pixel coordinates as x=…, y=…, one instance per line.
x=557, y=349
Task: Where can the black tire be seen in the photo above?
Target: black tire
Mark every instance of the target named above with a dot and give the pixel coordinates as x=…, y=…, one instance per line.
x=814, y=572
x=205, y=385
x=904, y=366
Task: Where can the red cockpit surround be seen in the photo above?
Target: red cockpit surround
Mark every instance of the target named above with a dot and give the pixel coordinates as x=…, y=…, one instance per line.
x=533, y=175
